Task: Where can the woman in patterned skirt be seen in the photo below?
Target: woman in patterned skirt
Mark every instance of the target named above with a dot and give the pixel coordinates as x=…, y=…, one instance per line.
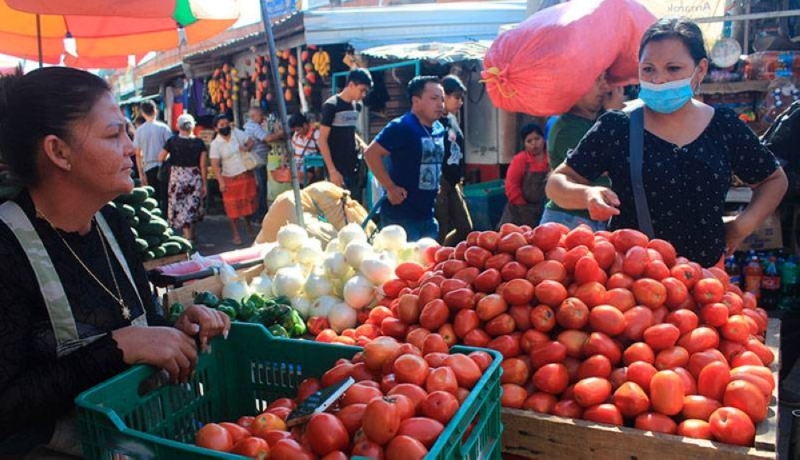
x=187, y=178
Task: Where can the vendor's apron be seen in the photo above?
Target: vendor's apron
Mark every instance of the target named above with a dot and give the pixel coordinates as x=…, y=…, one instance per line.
x=66, y=437
x=533, y=185
x=276, y=158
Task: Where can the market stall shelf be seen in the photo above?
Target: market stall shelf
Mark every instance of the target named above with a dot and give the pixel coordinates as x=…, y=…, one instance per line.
x=531, y=435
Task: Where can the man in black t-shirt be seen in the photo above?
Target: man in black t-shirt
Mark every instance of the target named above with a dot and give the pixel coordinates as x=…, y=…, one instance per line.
x=338, y=141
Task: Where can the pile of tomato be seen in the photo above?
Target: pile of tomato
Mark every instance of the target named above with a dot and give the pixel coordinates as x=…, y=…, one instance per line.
x=397, y=409
x=609, y=327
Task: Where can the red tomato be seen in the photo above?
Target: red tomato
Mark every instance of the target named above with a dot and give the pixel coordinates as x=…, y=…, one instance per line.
x=366, y=448
x=568, y=408
x=423, y=429
x=631, y=399
x=515, y=370
x=574, y=341
x=592, y=391
x=482, y=359
x=733, y=426
x=599, y=343
x=551, y=378
x=699, y=407
x=671, y=358
x=435, y=313
x=607, y=319
x=416, y=394
x=434, y=343
x=440, y=406
x=529, y=255
x=487, y=281
x=513, y=396
x=289, y=449
x=685, y=320
x=649, y=292
x=666, y=392
x=746, y=357
x=466, y=370
x=500, y=325
x=246, y=421
x=405, y=448
x=458, y=299
x=634, y=261
x=491, y=306
x=661, y=336
x=441, y=379
x=215, y=437
x=693, y=428
x=637, y=319
x=518, y=292
x=477, y=338
x=619, y=280
x=326, y=433
x=746, y=396
x=604, y=413
x=594, y=366
x=360, y=394
x=543, y=318
x=677, y=292
x=714, y=314
x=626, y=238
x=375, y=353
x=237, y=432
x=572, y=313
x=275, y=435
x=655, y=422
x=547, y=270
x=409, y=271
x=351, y=417
x=592, y=293
x=546, y=353
x=550, y=292
x=638, y=351
x=541, y=402
x=252, y=447
x=761, y=350
x=699, y=339
x=620, y=298
x=708, y=290
x=411, y=369
x=381, y=420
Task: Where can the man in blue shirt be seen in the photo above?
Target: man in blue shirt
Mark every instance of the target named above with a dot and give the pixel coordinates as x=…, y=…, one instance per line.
x=406, y=159
x=254, y=128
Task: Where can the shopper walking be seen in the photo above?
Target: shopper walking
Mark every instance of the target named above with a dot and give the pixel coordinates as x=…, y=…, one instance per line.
x=187, y=180
x=149, y=141
x=406, y=159
x=254, y=128
x=237, y=184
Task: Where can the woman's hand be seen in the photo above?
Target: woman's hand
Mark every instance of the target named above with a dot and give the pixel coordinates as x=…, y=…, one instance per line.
x=221, y=184
x=163, y=347
x=602, y=203
x=736, y=231
x=203, y=323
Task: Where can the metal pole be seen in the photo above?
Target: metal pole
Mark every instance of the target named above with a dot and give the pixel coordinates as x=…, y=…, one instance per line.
x=273, y=60
x=39, y=39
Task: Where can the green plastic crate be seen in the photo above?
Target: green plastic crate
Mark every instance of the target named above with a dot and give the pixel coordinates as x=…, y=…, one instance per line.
x=132, y=416
x=486, y=201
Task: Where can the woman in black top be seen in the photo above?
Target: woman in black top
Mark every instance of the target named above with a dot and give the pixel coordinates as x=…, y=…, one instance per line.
x=187, y=178
x=690, y=152
x=75, y=307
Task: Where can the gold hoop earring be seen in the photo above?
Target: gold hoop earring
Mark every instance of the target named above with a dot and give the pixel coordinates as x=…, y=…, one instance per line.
x=69, y=167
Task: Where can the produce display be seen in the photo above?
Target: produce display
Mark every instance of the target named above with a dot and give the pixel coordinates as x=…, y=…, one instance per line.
x=154, y=237
x=609, y=327
x=398, y=408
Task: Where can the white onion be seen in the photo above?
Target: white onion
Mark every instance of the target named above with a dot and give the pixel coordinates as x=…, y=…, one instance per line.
x=351, y=232
x=317, y=285
x=333, y=246
x=393, y=237
x=358, y=292
x=261, y=284
x=302, y=305
x=336, y=266
x=236, y=290
x=356, y=251
x=277, y=258
x=310, y=254
x=342, y=317
x=292, y=236
x=288, y=282
x=322, y=306
x=377, y=270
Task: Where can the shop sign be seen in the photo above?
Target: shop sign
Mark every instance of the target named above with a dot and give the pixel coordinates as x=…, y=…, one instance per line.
x=280, y=8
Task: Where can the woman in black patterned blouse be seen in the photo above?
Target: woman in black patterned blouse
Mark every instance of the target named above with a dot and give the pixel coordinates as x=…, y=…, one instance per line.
x=691, y=151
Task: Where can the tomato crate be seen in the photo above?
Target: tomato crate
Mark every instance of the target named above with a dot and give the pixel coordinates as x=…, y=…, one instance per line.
x=136, y=415
x=486, y=201
x=531, y=435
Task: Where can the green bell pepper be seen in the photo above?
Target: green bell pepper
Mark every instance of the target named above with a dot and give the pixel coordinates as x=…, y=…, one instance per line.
x=246, y=310
x=256, y=299
x=293, y=324
x=209, y=299
x=175, y=311
x=228, y=310
x=278, y=331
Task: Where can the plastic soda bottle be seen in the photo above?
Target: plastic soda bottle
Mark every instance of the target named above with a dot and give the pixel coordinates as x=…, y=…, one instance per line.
x=752, y=277
x=733, y=271
x=790, y=297
x=770, y=285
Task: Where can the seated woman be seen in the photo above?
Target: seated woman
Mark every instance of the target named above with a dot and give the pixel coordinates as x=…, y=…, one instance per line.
x=526, y=178
x=75, y=304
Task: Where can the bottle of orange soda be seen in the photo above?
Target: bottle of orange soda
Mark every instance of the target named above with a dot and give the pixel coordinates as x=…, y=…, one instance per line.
x=753, y=273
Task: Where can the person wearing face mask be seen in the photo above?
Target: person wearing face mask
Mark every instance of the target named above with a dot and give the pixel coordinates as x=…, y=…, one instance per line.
x=237, y=184
x=690, y=152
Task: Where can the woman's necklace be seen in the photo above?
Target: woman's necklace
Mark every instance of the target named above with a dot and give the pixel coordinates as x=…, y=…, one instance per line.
x=126, y=311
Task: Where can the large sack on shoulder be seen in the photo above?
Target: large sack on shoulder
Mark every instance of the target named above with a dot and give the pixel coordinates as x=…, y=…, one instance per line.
x=327, y=198
x=549, y=61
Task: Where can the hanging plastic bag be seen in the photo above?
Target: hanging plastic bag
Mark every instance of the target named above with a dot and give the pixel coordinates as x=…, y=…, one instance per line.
x=548, y=62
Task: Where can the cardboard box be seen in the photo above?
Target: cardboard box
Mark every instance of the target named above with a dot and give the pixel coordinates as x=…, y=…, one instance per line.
x=767, y=236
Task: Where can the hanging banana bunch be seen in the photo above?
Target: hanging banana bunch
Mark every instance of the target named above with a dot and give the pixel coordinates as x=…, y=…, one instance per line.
x=322, y=63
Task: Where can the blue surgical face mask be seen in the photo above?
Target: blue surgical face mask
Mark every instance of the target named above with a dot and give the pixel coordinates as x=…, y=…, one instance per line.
x=666, y=97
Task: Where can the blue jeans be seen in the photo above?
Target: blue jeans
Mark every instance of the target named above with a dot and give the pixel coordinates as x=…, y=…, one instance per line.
x=415, y=228
x=261, y=183
x=571, y=220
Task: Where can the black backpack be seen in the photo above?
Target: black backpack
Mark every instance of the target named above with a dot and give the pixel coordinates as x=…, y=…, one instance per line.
x=783, y=139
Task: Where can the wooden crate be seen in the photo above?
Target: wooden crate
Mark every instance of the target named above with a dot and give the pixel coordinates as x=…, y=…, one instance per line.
x=531, y=435
x=155, y=263
x=185, y=294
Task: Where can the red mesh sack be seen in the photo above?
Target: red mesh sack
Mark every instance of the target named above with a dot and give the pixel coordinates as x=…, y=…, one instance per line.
x=549, y=61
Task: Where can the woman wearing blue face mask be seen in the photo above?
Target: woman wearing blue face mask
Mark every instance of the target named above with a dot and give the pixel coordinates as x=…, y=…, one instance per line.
x=690, y=152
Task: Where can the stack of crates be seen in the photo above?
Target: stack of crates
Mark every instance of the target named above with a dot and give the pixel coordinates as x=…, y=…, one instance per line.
x=137, y=415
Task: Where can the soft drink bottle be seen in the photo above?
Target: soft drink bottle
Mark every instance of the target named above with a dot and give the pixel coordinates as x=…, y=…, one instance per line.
x=752, y=277
x=790, y=297
x=733, y=271
x=770, y=285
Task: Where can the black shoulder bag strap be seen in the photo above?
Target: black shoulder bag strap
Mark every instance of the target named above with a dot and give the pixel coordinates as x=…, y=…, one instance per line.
x=636, y=152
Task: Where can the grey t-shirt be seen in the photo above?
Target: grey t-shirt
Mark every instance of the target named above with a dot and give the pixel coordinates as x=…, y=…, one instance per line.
x=150, y=138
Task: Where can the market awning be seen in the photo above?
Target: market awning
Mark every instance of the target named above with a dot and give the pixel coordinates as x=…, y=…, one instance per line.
x=365, y=28
x=441, y=53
